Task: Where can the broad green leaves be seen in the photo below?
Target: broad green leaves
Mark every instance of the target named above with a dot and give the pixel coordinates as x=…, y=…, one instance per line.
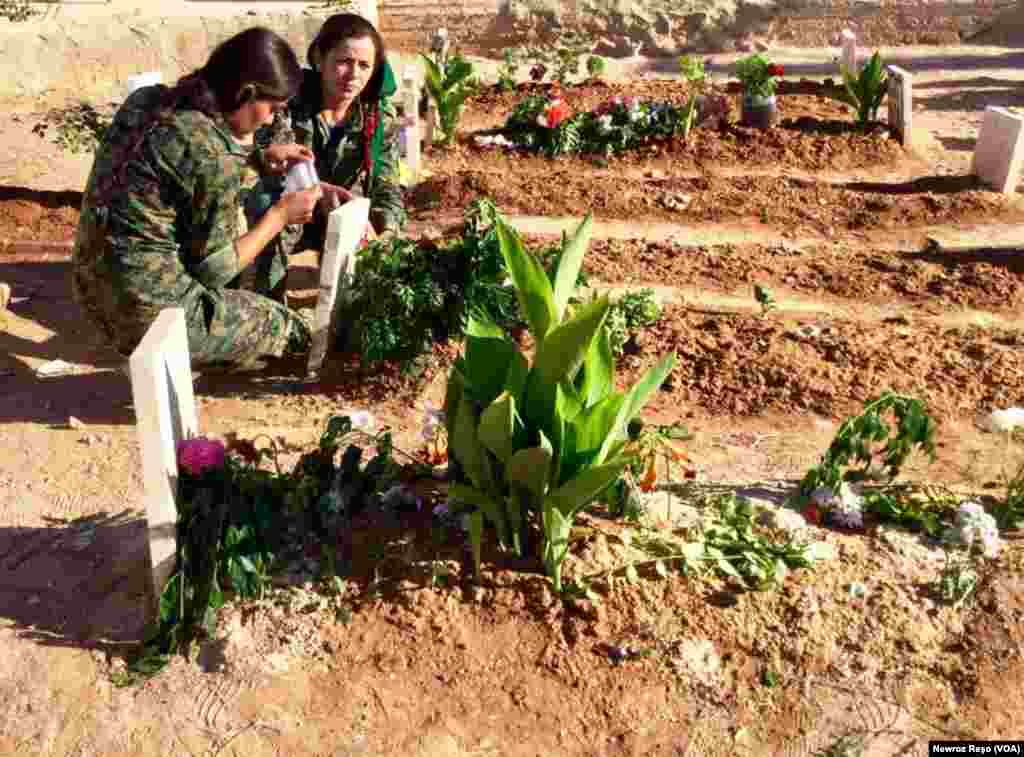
x=448, y=87
x=541, y=437
x=866, y=91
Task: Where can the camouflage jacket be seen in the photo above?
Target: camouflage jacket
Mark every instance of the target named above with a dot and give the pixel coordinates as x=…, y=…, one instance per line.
x=339, y=151
x=161, y=233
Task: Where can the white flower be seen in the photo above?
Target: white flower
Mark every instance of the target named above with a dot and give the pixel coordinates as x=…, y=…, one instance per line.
x=604, y=124
x=846, y=508
x=1005, y=420
x=361, y=419
x=975, y=529
x=848, y=518
x=823, y=497
x=498, y=140
x=970, y=511
x=542, y=120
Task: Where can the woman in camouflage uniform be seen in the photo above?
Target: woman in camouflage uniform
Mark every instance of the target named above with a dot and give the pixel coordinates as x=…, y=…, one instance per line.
x=163, y=221
x=342, y=113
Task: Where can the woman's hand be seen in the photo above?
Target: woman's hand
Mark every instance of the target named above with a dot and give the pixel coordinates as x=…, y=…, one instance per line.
x=334, y=196
x=297, y=207
x=279, y=158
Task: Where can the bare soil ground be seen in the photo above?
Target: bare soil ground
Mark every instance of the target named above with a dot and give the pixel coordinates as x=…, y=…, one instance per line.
x=398, y=666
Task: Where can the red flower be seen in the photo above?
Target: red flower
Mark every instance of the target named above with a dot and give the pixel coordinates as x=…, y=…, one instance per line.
x=776, y=69
x=200, y=454
x=556, y=112
x=812, y=515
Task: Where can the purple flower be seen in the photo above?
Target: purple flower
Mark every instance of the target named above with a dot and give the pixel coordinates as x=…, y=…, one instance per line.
x=441, y=510
x=200, y=454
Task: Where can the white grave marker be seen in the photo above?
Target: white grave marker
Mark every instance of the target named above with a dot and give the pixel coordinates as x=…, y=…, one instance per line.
x=1000, y=150
x=165, y=413
x=148, y=79
x=345, y=228
x=411, y=134
x=901, y=103
x=848, y=55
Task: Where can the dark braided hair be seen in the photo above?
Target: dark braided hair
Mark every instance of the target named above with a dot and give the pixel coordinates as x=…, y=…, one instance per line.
x=254, y=64
x=337, y=29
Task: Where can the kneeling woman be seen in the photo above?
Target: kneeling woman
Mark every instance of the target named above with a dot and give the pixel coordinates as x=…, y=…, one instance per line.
x=163, y=221
x=344, y=115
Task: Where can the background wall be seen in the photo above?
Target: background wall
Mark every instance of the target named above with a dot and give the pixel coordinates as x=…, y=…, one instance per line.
x=87, y=48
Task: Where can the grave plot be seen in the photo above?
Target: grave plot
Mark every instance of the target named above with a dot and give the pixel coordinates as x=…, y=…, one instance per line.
x=915, y=281
x=796, y=206
x=813, y=132
x=752, y=364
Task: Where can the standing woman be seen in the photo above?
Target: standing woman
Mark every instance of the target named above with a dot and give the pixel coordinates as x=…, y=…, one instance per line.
x=163, y=222
x=343, y=114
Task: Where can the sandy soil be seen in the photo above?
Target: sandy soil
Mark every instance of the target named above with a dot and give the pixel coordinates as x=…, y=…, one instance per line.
x=505, y=668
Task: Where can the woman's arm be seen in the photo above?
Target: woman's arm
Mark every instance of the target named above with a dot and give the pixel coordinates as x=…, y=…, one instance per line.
x=294, y=208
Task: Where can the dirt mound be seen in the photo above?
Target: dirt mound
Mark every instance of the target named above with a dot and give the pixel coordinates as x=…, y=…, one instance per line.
x=1006, y=30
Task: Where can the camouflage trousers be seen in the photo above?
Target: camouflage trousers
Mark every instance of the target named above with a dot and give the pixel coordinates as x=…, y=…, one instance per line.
x=253, y=320
x=233, y=326
x=244, y=328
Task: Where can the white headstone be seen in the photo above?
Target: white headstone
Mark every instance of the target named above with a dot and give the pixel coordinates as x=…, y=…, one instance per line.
x=148, y=79
x=848, y=55
x=901, y=103
x=1000, y=150
x=346, y=226
x=411, y=133
x=165, y=413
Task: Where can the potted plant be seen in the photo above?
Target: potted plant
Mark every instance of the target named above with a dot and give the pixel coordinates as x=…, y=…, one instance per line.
x=758, y=78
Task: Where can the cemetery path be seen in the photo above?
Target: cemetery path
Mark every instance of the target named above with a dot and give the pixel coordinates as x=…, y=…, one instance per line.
x=438, y=674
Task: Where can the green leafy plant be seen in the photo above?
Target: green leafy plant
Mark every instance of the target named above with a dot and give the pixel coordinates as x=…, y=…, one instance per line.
x=541, y=439
x=449, y=85
x=78, y=128
x=728, y=542
x=957, y=580
x=560, y=56
x=507, y=71
x=758, y=76
x=233, y=517
x=596, y=66
x=765, y=299
x=616, y=125
x=864, y=438
x=412, y=294
x=865, y=92
x=631, y=312
x=1009, y=513
x=692, y=70
x=910, y=512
